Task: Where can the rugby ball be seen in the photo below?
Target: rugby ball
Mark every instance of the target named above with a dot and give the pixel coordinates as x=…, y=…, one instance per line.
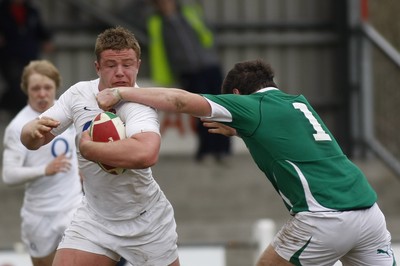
x=106, y=127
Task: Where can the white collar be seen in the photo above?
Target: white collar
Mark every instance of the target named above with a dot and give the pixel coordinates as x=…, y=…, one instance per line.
x=266, y=89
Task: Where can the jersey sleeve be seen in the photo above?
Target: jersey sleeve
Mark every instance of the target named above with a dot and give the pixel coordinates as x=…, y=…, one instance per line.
x=61, y=111
x=218, y=112
x=237, y=111
x=14, y=154
x=139, y=118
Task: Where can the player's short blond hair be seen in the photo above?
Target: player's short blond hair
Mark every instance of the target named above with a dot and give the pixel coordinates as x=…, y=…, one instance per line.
x=117, y=38
x=43, y=67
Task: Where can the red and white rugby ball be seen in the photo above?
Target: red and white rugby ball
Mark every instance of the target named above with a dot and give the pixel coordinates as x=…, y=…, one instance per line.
x=106, y=127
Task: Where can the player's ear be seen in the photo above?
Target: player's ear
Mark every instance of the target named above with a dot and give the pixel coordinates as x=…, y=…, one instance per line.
x=97, y=67
x=139, y=61
x=236, y=91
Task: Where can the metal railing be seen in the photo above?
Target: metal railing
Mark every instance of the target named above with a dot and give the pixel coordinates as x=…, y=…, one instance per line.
x=372, y=39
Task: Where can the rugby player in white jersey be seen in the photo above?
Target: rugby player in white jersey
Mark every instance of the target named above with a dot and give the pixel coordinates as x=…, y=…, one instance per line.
x=50, y=174
x=122, y=215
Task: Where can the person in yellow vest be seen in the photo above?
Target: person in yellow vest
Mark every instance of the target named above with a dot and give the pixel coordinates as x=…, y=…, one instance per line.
x=178, y=40
x=181, y=52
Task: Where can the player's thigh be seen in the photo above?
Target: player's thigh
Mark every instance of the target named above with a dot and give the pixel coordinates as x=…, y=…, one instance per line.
x=74, y=257
x=378, y=253
x=374, y=245
x=270, y=258
x=310, y=239
x=370, y=258
x=87, y=235
x=157, y=224
x=42, y=233
x=175, y=263
x=45, y=261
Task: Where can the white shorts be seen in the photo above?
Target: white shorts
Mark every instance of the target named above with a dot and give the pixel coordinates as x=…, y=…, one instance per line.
x=42, y=233
x=357, y=238
x=149, y=239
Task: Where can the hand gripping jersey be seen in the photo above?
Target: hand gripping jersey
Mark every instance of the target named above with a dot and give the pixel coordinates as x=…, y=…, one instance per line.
x=292, y=146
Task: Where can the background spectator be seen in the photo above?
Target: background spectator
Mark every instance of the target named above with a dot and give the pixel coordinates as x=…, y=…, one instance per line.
x=23, y=36
x=181, y=50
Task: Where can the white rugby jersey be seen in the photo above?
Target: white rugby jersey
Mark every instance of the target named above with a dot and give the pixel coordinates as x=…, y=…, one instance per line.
x=112, y=197
x=43, y=194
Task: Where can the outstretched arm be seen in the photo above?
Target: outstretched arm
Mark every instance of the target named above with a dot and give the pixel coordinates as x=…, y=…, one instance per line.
x=164, y=99
x=37, y=132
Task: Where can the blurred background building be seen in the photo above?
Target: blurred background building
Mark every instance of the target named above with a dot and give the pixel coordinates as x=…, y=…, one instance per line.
x=343, y=55
x=328, y=50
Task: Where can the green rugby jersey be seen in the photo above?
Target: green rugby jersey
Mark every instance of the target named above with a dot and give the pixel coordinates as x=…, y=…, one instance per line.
x=296, y=151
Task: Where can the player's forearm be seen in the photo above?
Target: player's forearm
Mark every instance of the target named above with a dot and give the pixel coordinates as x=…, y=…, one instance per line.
x=164, y=99
x=13, y=176
x=126, y=153
x=168, y=100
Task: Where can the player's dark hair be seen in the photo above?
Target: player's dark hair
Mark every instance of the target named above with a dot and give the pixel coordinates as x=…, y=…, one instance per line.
x=248, y=77
x=117, y=38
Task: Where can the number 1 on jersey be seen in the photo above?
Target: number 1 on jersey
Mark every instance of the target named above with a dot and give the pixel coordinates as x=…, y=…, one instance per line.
x=321, y=134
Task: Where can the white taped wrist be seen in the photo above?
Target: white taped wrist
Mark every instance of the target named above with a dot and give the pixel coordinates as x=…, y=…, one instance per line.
x=117, y=94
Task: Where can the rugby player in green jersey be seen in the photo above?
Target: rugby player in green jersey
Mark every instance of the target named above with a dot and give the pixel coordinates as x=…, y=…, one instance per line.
x=334, y=211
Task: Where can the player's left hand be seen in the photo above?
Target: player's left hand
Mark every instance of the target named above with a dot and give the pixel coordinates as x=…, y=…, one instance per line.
x=219, y=128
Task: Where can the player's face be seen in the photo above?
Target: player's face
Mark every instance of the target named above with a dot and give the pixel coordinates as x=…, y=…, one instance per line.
x=41, y=92
x=117, y=68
